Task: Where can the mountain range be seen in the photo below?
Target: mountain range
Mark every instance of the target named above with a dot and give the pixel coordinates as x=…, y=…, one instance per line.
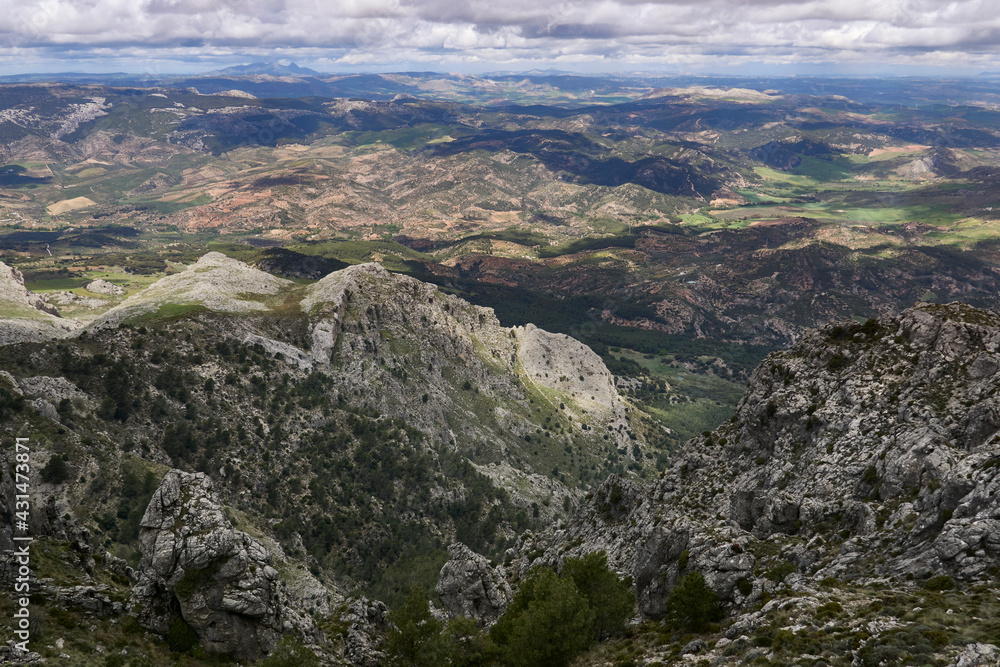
x=857, y=466
x=531, y=369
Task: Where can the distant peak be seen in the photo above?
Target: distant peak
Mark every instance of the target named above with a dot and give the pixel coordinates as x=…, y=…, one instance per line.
x=274, y=69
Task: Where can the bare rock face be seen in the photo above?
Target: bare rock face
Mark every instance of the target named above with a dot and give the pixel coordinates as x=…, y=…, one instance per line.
x=385, y=331
x=12, y=289
x=101, y=286
x=53, y=389
x=469, y=586
x=560, y=362
x=196, y=567
x=26, y=316
x=215, y=282
x=367, y=622
x=978, y=655
x=864, y=451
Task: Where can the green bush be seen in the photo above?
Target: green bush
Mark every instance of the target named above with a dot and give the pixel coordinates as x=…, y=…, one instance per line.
x=290, y=652
x=692, y=605
x=550, y=620
x=914, y=645
x=415, y=638
x=55, y=471
x=829, y=611
x=611, y=598
x=195, y=578
x=181, y=637
x=837, y=361
x=546, y=624
x=468, y=645
x=941, y=582
x=777, y=573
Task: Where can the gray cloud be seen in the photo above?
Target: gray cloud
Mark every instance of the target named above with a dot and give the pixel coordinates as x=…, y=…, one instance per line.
x=443, y=33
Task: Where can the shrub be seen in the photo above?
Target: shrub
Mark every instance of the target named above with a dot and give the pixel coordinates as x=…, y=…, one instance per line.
x=941, y=582
x=870, y=476
x=291, y=652
x=468, y=645
x=55, y=471
x=196, y=578
x=546, y=624
x=611, y=598
x=829, y=610
x=10, y=402
x=181, y=637
x=692, y=605
x=837, y=362
x=777, y=573
x=415, y=638
x=914, y=645
x=782, y=639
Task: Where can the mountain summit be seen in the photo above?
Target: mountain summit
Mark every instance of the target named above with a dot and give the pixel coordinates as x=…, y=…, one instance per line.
x=273, y=69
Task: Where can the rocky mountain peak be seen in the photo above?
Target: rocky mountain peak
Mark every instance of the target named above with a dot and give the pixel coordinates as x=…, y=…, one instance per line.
x=215, y=282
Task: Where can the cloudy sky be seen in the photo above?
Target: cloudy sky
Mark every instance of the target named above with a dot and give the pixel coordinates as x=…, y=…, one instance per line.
x=777, y=36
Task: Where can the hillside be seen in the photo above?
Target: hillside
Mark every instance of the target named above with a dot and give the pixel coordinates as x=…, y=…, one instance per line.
x=353, y=426
x=719, y=212
x=216, y=468
x=287, y=344
x=852, y=490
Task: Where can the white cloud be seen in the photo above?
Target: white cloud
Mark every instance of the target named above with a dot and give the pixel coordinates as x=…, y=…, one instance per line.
x=382, y=32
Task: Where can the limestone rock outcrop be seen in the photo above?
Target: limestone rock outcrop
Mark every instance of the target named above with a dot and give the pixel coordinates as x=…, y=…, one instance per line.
x=470, y=586
x=564, y=364
x=26, y=316
x=367, y=622
x=864, y=451
x=101, y=286
x=215, y=282
x=13, y=291
x=195, y=567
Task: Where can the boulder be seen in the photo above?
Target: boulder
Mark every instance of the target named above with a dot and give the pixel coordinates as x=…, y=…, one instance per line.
x=470, y=586
x=367, y=622
x=978, y=655
x=101, y=286
x=195, y=567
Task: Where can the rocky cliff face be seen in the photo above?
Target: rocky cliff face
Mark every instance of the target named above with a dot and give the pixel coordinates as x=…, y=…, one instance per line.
x=25, y=316
x=219, y=581
x=383, y=333
x=399, y=346
x=470, y=586
x=342, y=432
x=864, y=451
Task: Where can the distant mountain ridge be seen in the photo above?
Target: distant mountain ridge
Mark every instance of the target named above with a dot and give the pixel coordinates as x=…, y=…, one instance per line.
x=274, y=69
